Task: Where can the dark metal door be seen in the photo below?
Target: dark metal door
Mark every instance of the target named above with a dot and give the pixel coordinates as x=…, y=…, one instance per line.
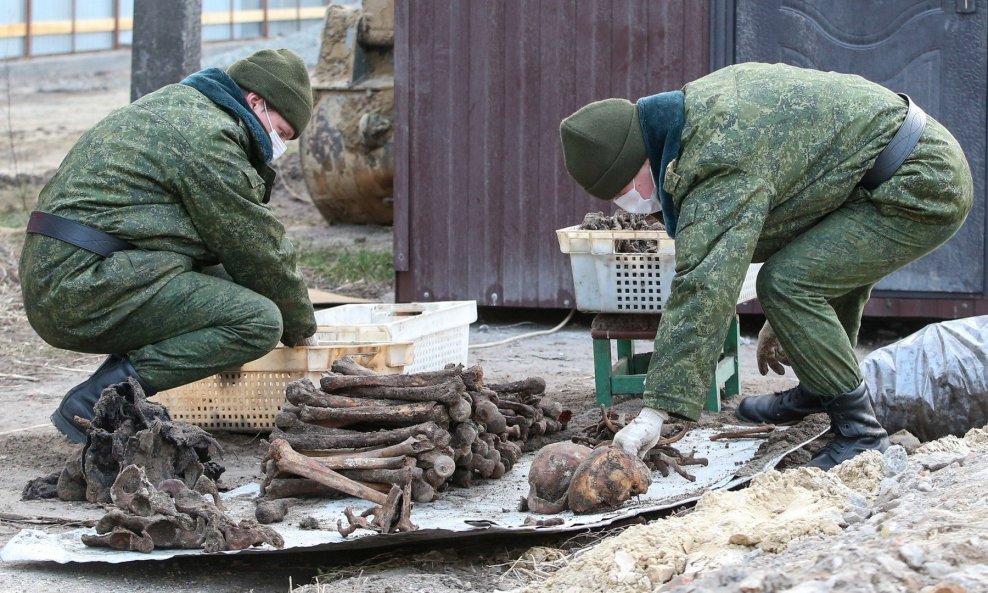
x=936, y=51
x=480, y=89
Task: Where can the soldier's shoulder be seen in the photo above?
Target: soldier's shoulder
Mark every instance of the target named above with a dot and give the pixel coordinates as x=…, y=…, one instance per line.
x=192, y=115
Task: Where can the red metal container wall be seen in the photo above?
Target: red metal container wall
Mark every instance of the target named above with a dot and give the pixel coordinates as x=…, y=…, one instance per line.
x=481, y=87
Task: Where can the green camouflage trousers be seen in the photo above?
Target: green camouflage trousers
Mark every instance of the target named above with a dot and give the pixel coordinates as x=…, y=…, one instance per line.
x=813, y=290
x=195, y=325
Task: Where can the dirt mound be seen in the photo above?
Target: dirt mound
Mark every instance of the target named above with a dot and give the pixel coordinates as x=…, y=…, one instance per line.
x=766, y=538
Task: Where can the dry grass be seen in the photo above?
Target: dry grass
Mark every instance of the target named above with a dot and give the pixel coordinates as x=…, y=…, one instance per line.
x=11, y=307
x=24, y=355
x=539, y=563
x=12, y=317
x=536, y=564
x=328, y=577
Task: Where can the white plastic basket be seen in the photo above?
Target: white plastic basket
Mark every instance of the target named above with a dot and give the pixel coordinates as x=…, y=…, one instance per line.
x=248, y=398
x=607, y=281
x=439, y=332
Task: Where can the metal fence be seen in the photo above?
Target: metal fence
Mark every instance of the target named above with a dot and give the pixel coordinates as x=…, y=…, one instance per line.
x=46, y=27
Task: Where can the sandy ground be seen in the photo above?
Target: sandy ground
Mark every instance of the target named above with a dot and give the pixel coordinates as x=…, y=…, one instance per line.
x=49, y=102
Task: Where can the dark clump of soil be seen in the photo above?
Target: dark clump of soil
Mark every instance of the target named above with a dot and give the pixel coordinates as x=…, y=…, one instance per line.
x=781, y=441
x=40, y=488
x=271, y=511
x=129, y=430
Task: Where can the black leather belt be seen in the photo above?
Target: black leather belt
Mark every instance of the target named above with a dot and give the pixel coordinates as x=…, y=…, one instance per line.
x=75, y=233
x=898, y=149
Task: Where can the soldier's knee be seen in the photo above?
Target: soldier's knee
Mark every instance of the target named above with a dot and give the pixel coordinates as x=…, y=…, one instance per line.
x=264, y=326
x=773, y=285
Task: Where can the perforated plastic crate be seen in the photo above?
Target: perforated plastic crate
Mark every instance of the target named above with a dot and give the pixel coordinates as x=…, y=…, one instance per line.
x=440, y=332
x=248, y=398
x=607, y=281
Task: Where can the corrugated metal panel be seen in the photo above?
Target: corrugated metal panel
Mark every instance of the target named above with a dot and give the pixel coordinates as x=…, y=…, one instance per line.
x=481, y=88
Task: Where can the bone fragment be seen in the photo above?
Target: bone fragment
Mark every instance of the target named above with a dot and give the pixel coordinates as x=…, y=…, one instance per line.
x=532, y=412
x=551, y=409
x=296, y=488
x=298, y=464
x=303, y=392
x=400, y=415
x=526, y=387
x=397, y=477
x=410, y=446
x=460, y=410
x=338, y=382
x=439, y=461
x=423, y=492
x=348, y=366
x=446, y=393
x=356, y=439
x=354, y=463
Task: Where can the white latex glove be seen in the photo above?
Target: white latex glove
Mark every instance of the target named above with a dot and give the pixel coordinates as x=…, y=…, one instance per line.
x=310, y=341
x=641, y=434
x=769, y=352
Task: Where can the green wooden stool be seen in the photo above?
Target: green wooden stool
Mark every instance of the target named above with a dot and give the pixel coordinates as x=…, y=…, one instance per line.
x=627, y=374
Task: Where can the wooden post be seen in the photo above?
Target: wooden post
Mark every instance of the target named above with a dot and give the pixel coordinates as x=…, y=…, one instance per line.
x=116, y=24
x=72, y=17
x=27, y=28
x=264, y=22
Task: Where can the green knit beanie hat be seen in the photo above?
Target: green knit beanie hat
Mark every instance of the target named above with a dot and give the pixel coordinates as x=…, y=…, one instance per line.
x=280, y=76
x=603, y=146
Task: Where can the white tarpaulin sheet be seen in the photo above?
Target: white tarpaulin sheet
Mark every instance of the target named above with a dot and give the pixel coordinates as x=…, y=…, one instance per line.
x=487, y=508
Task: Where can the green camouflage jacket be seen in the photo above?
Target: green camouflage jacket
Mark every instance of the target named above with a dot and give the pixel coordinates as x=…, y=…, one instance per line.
x=766, y=152
x=169, y=173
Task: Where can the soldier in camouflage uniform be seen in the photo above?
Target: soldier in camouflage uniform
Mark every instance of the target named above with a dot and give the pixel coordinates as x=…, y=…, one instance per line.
x=201, y=277
x=764, y=163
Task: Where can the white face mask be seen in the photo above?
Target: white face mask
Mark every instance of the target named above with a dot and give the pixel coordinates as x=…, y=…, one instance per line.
x=632, y=201
x=278, y=146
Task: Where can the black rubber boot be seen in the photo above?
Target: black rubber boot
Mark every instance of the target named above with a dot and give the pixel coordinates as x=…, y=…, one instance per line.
x=782, y=407
x=81, y=399
x=856, y=430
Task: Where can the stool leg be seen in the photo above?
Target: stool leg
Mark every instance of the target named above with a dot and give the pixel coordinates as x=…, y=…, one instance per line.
x=728, y=369
x=626, y=350
x=602, y=371
x=713, y=397
x=732, y=348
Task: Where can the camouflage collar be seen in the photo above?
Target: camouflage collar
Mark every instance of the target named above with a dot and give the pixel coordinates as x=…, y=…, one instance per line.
x=662, y=117
x=219, y=88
